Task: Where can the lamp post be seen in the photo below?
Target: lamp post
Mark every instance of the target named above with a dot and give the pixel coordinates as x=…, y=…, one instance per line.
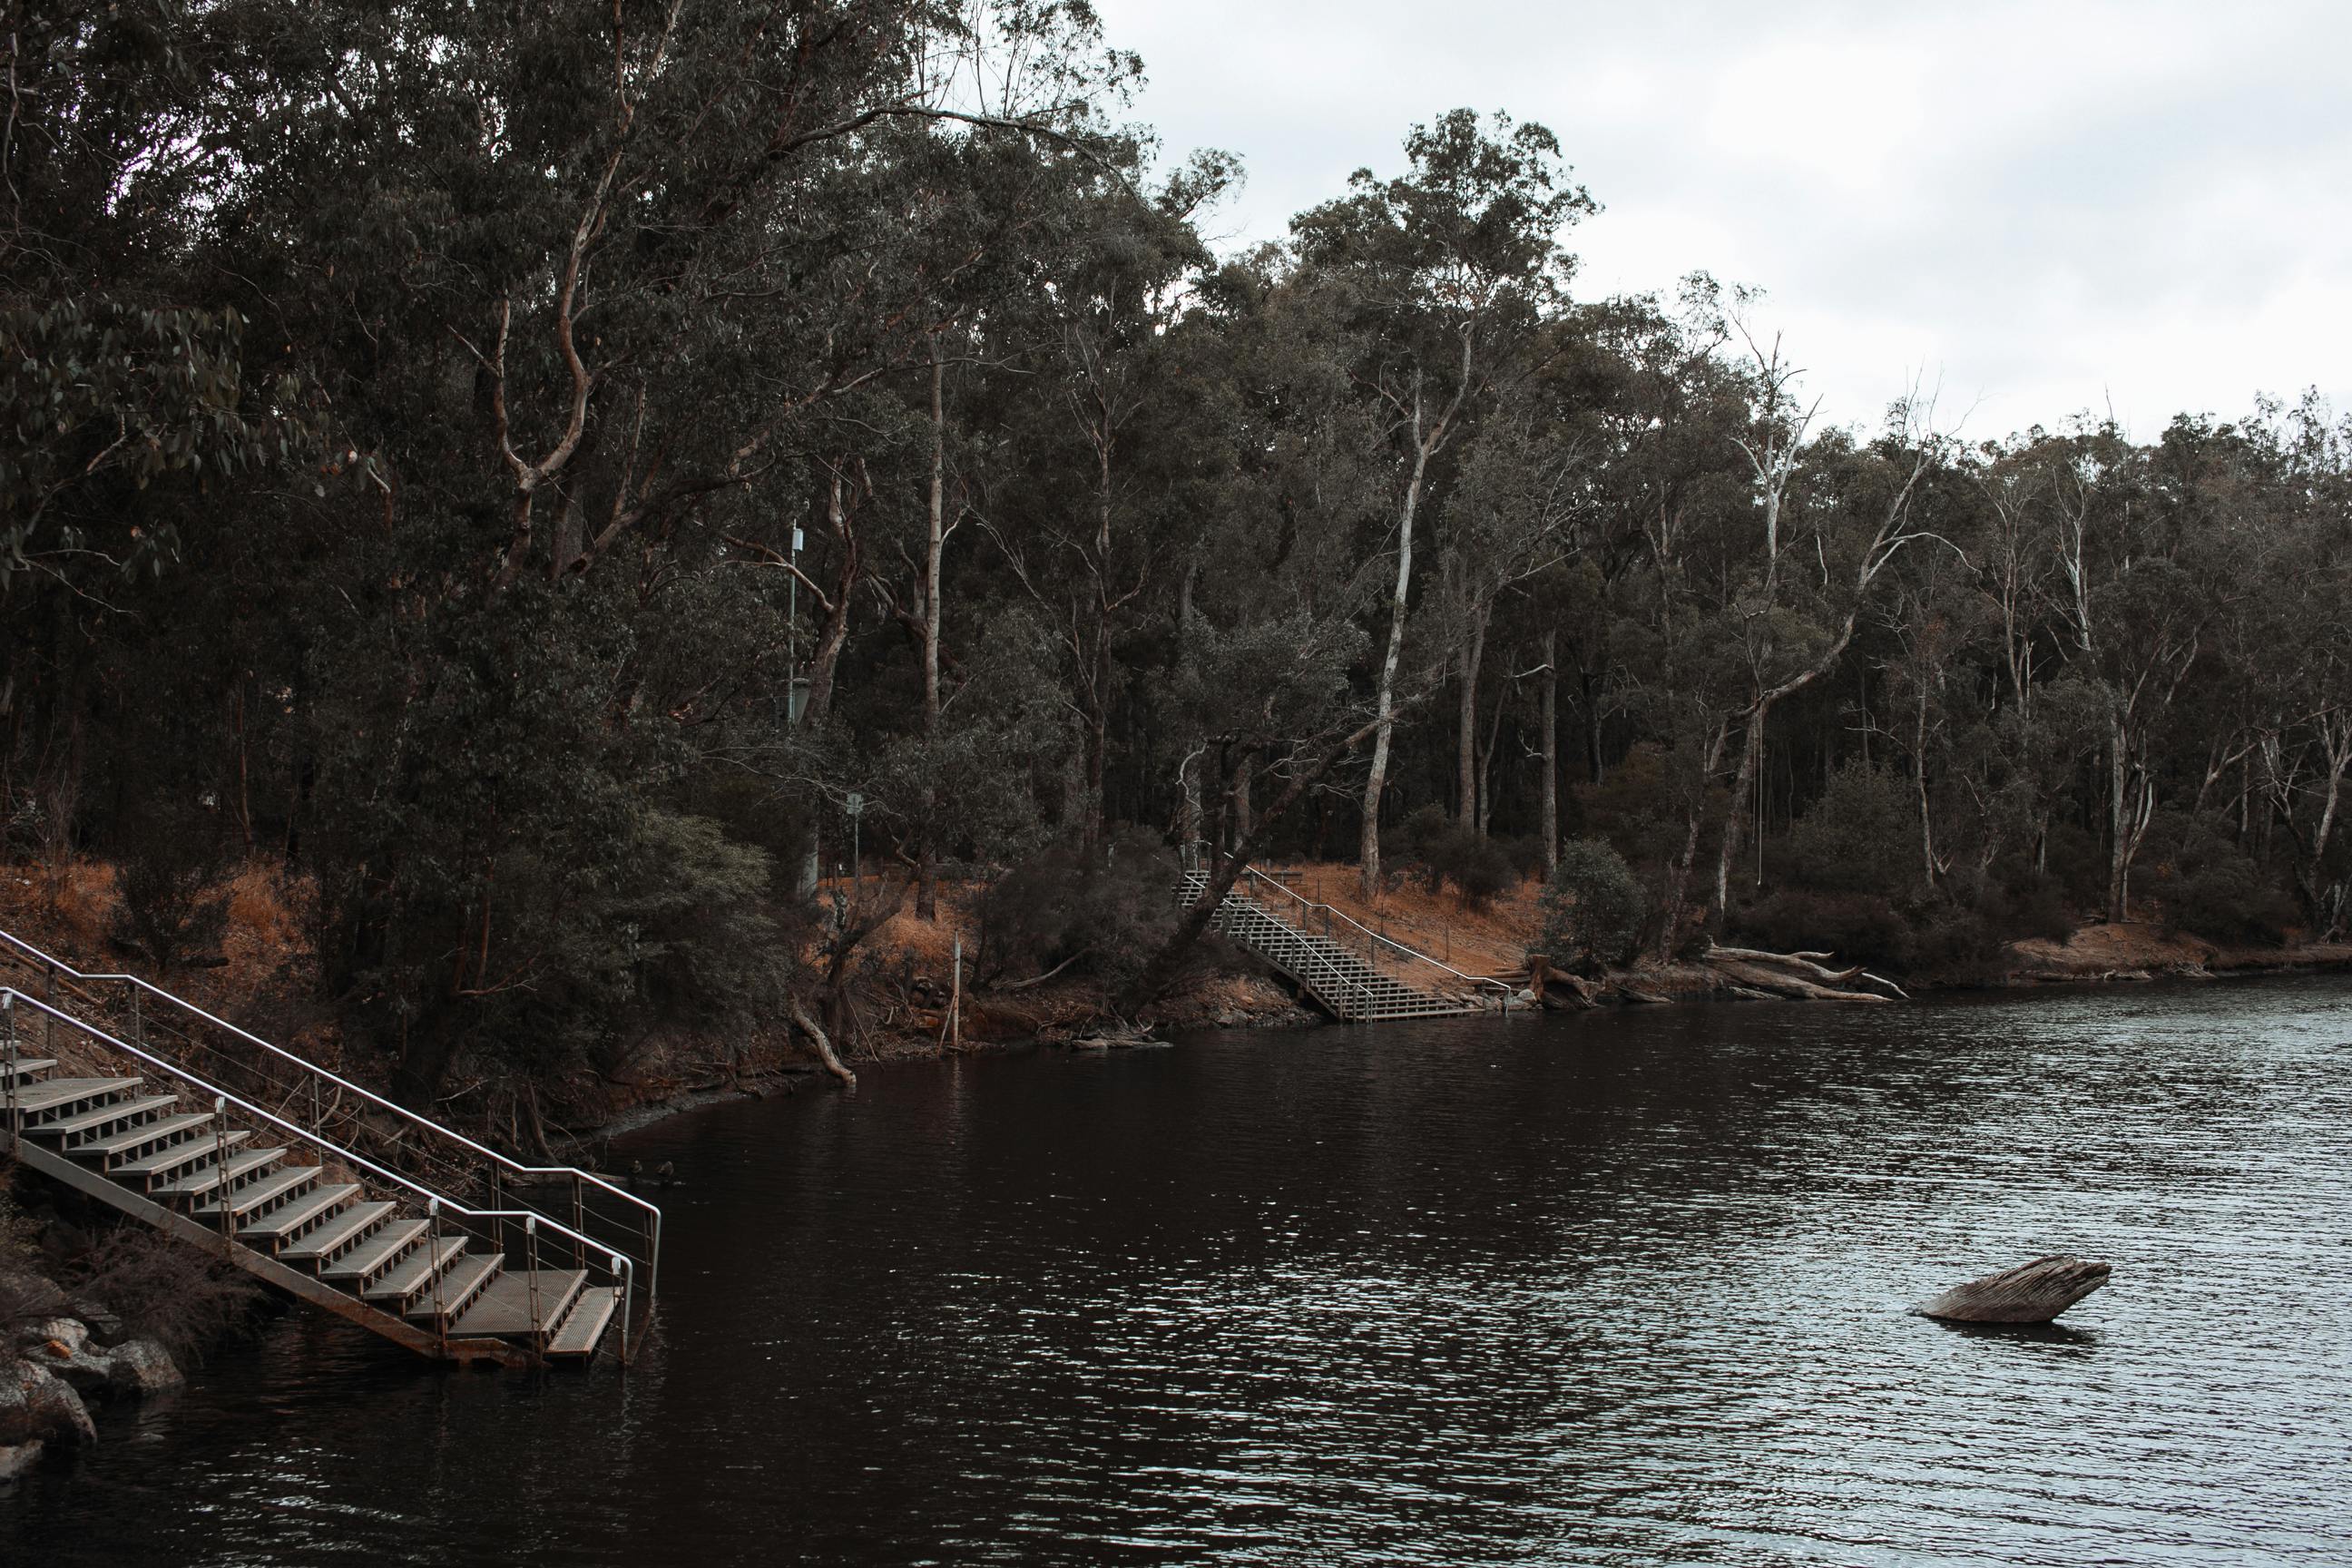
x=855, y=807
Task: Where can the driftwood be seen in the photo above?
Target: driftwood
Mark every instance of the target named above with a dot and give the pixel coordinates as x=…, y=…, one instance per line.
x=2032, y=1292
x=1801, y=976
x=1116, y=1037
x=833, y=1064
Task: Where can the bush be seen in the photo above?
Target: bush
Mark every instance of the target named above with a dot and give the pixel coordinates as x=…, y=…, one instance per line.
x=2023, y=902
x=2209, y=886
x=170, y=863
x=1592, y=907
x=1439, y=852
x=1861, y=837
x=183, y=1299
x=1106, y=914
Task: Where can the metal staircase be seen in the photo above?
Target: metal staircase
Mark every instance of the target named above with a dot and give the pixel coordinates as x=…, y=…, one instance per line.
x=1355, y=983
x=307, y=1181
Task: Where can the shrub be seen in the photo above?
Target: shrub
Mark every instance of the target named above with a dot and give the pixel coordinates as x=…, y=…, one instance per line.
x=1861, y=837
x=171, y=861
x=2209, y=886
x=183, y=1299
x=2024, y=902
x=1106, y=914
x=1439, y=852
x=1592, y=907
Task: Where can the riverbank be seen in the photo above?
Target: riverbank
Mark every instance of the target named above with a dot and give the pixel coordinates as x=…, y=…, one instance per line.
x=910, y=1006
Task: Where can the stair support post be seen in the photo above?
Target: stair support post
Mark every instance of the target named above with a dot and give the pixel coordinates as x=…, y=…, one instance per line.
x=530, y=1282
x=8, y=1044
x=220, y=1165
x=433, y=1241
x=626, y=1277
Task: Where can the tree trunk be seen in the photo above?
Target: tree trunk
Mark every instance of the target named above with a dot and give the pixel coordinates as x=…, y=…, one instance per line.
x=1678, y=879
x=836, y=634
x=927, y=836
x=1368, y=853
x=1548, y=812
x=1472, y=654
x=1751, y=757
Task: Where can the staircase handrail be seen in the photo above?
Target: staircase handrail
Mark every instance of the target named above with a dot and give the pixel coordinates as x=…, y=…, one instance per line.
x=1346, y=919
x=619, y=1264
x=652, y=1213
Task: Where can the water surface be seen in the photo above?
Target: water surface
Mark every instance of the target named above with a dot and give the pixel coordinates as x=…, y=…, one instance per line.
x=1613, y=1289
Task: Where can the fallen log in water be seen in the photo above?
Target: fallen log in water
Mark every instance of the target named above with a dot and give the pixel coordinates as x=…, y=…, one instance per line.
x=1801, y=976
x=2033, y=1292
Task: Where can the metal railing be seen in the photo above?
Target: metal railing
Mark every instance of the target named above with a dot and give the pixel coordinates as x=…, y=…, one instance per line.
x=487, y=1225
x=1380, y=942
x=327, y=1109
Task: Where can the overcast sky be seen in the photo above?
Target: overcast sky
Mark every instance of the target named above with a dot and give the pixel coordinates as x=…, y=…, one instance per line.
x=2048, y=208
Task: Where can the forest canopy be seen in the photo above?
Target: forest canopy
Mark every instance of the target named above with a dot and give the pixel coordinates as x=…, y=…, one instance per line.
x=551, y=473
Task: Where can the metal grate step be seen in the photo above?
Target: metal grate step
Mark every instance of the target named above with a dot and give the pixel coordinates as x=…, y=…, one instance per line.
x=240, y=1166
x=315, y=1205
x=179, y=1154
x=414, y=1272
x=342, y=1231
x=107, y=1115
x=583, y=1330
x=260, y=1194
x=376, y=1252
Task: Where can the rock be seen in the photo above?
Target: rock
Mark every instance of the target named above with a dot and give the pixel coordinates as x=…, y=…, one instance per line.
x=68, y=1332
x=15, y=1459
x=86, y=1369
x=51, y=1409
x=142, y=1367
x=2033, y=1292
x=105, y=1328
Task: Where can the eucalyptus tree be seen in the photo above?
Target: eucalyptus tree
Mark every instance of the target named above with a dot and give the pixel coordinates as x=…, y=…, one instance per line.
x=1444, y=279
x=1105, y=396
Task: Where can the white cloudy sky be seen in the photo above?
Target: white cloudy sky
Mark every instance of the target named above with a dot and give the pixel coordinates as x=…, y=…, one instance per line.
x=2046, y=207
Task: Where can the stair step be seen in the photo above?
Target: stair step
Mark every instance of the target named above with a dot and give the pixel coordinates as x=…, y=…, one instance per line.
x=377, y=1250
x=466, y=1280
x=584, y=1329
x=416, y=1271
x=186, y=1152
x=338, y=1233
x=310, y=1206
x=163, y=1129
x=503, y=1308
x=250, y=1162
x=265, y=1192
x=52, y=1092
x=26, y=1066
x=146, y=1105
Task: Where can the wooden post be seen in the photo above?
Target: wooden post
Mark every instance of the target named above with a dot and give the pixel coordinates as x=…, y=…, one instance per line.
x=955, y=1001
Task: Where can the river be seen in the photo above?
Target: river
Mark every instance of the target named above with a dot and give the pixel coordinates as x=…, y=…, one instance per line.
x=1608, y=1289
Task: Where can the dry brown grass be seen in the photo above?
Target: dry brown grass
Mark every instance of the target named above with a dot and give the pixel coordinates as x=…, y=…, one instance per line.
x=1489, y=940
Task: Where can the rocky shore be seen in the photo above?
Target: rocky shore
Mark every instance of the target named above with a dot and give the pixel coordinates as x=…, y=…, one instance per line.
x=61, y=1355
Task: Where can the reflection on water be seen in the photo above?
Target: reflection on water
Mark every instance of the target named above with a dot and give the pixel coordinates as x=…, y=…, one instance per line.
x=1623, y=1290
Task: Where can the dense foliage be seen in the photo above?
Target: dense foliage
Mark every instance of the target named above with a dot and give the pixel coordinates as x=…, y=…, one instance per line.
x=558, y=474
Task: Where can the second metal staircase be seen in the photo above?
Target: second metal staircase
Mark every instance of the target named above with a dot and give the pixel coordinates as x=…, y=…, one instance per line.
x=1350, y=983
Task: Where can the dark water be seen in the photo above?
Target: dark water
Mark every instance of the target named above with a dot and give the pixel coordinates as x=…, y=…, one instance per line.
x=1625, y=1290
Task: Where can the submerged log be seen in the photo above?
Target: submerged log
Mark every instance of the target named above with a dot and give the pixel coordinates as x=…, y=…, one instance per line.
x=2033, y=1292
